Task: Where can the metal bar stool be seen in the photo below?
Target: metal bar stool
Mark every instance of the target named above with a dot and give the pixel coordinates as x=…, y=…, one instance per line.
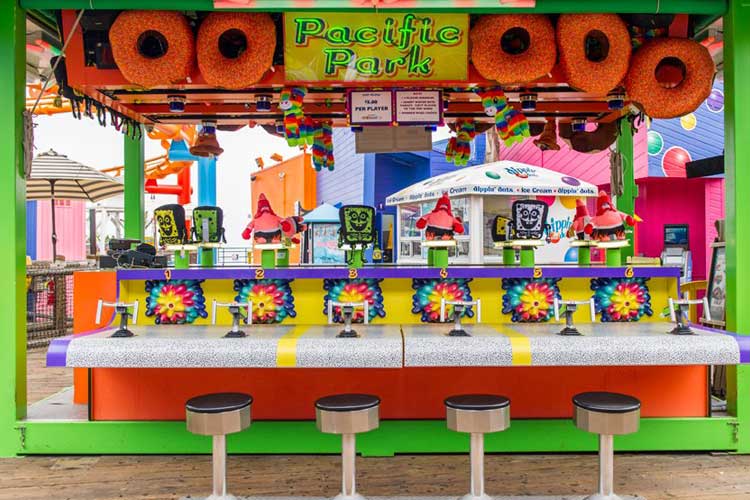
x=607, y=414
x=477, y=414
x=348, y=415
x=217, y=415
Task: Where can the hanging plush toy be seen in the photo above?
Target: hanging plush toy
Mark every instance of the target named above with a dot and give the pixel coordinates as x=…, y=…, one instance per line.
x=440, y=224
x=458, y=150
x=512, y=126
x=267, y=227
x=580, y=221
x=322, y=150
x=608, y=223
x=296, y=125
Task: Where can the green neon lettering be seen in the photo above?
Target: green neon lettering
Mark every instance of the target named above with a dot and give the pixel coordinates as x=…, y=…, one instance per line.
x=366, y=35
x=339, y=35
x=367, y=66
x=448, y=35
x=418, y=65
x=335, y=58
x=391, y=65
x=307, y=27
x=406, y=31
x=425, y=31
x=390, y=25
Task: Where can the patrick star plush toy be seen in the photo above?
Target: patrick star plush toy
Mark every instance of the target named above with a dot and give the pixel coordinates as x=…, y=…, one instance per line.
x=267, y=227
x=608, y=223
x=582, y=218
x=440, y=224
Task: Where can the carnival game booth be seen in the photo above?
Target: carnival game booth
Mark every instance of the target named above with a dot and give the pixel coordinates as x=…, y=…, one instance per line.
x=517, y=67
x=480, y=194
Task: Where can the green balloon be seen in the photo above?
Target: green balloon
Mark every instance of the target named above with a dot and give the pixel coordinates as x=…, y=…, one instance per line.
x=655, y=143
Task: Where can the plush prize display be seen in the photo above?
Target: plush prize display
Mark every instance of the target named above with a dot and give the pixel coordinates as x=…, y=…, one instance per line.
x=441, y=224
x=322, y=149
x=267, y=227
x=171, y=222
x=547, y=140
x=458, y=150
x=608, y=223
x=298, y=129
x=580, y=221
x=512, y=126
x=357, y=228
x=213, y=219
x=529, y=219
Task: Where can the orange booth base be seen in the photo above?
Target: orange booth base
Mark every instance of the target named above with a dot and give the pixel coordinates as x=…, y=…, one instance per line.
x=406, y=393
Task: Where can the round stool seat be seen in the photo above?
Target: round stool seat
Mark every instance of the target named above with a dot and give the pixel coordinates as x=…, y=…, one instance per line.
x=606, y=412
x=478, y=413
x=218, y=414
x=347, y=413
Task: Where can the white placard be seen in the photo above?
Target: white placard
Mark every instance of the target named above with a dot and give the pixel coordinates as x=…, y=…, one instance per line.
x=418, y=106
x=370, y=107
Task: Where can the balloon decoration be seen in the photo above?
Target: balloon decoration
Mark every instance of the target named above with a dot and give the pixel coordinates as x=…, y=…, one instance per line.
x=428, y=294
x=621, y=299
x=175, y=302
x=530, y=300
x=357, y=290
x=272, y=299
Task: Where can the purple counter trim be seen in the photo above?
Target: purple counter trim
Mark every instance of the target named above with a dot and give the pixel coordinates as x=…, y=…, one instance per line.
x=400, y=272
x=57, y=353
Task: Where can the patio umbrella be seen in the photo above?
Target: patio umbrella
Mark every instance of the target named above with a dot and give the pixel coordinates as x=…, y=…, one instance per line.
x=56, y=177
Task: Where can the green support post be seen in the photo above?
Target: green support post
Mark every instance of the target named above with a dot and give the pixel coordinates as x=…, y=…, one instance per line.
x=614, y=256
x=737, y=161
x=12, y=227
x=356, y=259
x=440, y=257
x=181, y=259
x=509, y=256
x=268, y=259
x=207, y=257
x=527, y=256
x=430, y=257
x=584, y=256
x=134, y=187
x=282, y=257
x=626, y=202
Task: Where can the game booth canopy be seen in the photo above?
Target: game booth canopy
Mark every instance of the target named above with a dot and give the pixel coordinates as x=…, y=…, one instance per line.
x=583, y=73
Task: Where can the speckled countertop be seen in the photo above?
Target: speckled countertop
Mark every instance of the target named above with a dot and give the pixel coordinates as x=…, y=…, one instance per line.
x=394, y=346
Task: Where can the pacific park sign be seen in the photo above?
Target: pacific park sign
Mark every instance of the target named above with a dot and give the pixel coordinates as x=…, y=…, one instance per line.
x=375, y=47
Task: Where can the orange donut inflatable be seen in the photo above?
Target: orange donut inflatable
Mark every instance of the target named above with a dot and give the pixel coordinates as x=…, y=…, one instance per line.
x=152, y=47
x=594, y=51
x=513, y=48
x=679, y=96
x=235, y=49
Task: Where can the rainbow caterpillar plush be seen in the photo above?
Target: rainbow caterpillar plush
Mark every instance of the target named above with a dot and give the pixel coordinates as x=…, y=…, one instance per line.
x=322, y=150
x=512, y=126
x=298, y=128
x=458, y=150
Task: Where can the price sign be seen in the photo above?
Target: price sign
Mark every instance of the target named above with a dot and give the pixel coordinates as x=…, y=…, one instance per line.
x=370, y=107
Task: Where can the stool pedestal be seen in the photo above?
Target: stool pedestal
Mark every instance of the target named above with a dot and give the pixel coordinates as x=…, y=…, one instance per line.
x=607, y=414
x=347, y=415
x=613, y=251
x=217, y=415
x=477, y=414
x=437, y=252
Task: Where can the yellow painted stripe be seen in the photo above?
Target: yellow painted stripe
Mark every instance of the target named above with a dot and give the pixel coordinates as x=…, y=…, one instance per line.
x=286, y=349
x=520, y=345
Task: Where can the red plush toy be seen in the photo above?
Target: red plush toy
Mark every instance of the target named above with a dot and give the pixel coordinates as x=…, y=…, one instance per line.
x=440, y=224
x=267, y=227
x=581, y=219
x=608, y=223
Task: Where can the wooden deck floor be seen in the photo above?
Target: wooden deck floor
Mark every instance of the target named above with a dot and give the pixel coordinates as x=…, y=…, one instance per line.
x=655, y=476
